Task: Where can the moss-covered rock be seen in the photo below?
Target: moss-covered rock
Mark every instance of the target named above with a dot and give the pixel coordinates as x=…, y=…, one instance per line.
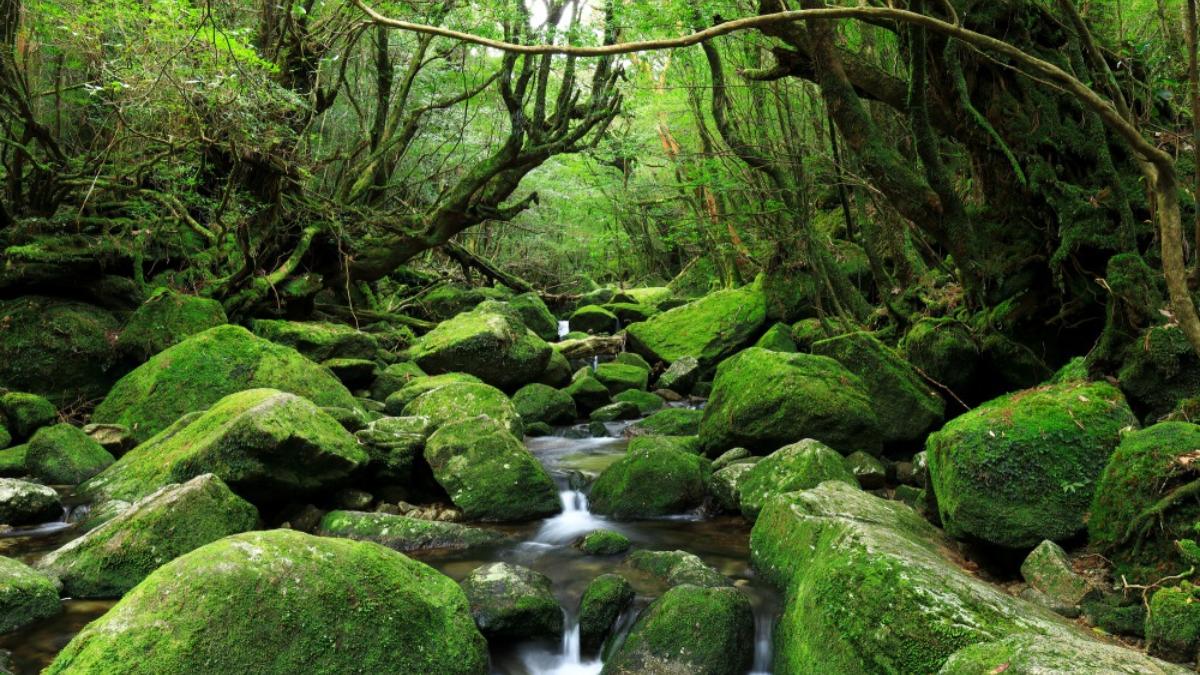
x=1117, y=614
x=1023, y=467
x=620, y=377
x=603, y=600
x=356, y=374
x=393, y=445
x=631, y=312
x=686, y=444
x=489, y=342
x=708, y=631
x=166, y=319
x=558, y=371
x=1030, y=654
x=1074, y=370
x=319, y=341
x=594, y=319
x=394, y=378
x=64, y=455
x=654, y=296
x=463, y=401
x=292, y=601
x=799, y=466
x=1048, y=570
x=449, y=300
x=511, y=602
x=604, y=542
x=724, y=486
x=904, y=403
x=621, y=410
x=542, y=403
x=646, y=402
x=1173, y=623
x=633, y=359
x=778, y=338
x=870, y=472
x=807, y=332
x=12, y=461
x=488, y=473
x=265, y=444
x=650, y=482
x=1159, y=370
x=24, y=503
x=669, y=422
x=709, y=329
x=588, y=394
x=26, y=595
x=1137, y=513
x=206, y=367
x=26, y=413
x=399, y=399
x=535, y=315
x=59, y=349
x=675, y=568
x=403, y=533
x=945, y=350
x=763, y=400
x=114, y=557
x=681, y=376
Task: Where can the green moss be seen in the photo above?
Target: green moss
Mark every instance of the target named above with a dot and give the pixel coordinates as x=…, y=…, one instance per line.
x=403, y=533
x=612, y=412
x=632, y=359
x=654, y=296
x=685, y=444
x=463, y=401
x=778, y=338
x=64, y=455
x=206, y=367
x=870, y=472
x=594, y=319
x=1117, y=615
x=166, y=319
x=1173, y=623
x=535, y=315
x=763, y=400
x=1023, y=467
x=12, y=461
x=1146, y=467
x=542, y=403
x=39, y=336
x=646, y=402
x=114, y=557
x=446, y=301
x=725, y=486
x=689, y=629
x=631, y=312
x=619, y=377
x=26, y=413
x=488, y=473
x=1048, y=570
x=1160, y=369
x=799, y=466
x=291, y=601
x=588, y=394
x=393, y=445
x=603, y=600
x=26, y=596
x=263, y=443
x=905, y=404
x=319, y=341
x=558, y=370
x=808, y=331
x=681, y=376
x=649, y=482
x=945, y=350
x=25, y=503
x=1060, y=654
x=604, y=542
x=512, y=602
x=489, y=342
x=709, y=329
x=418, y=385
x=669, y=422
x=675, y=568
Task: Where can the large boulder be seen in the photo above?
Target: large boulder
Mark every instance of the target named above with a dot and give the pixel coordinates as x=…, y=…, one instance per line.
x=403, y=533
x=1023, y=467
x=675, y=568
x=319, y=341
x=488, y=473
x=283, y=601
x=396, y=401
x=535, y=315
x=164, y=320
x=799, y=466
x=26, y=413
x=704, y=631
x=63, y=455
x=205, y=368
x=709, y=329
x=763, y=400
x=669, y=422
x=1159, y=370
x=594, y=319
x=905, y=404
x=511, y=602
x=24, y=503
x=945, y=350
x=464, y=401
x=26, y=595
x=1037, y=654
x=448, y=300
x=114, y=557
x=603, y=600
x=489, y=342
x=1173, y=623
x=619, y=377
x=394, y=378
x=651, y=481
x=681, y=376
x=542, y=403
x=59, y=349
x=393, y=445
x=265, y=444
x=851, y=563
x=588, y=393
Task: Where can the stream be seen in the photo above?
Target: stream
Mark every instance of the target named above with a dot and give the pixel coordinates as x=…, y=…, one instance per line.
x=546, y=546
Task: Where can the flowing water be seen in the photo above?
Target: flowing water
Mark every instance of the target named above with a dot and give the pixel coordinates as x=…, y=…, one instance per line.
x=546, y=546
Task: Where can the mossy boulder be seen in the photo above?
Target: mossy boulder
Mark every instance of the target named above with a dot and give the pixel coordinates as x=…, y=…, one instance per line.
x=449, y=300
x=1060, y=654
x=393, y=446
x=870, y=472
x=558, y=371
x=709, y=329
x=778, y=338
x=26, y=595
x=206, y=367
x=685, y=444
x=669, y=422
x=945, y=350
x=535, y=315
x=588, y=394
x=1023, y=467
x=681, y=376
x=284, y=601
x=511, y=602
x=165, y=319
x=114, y=557
x=319, y=341
x=807, y=332
x=1048, y=570
x=594, y=319
x=397, y=400
x=604, y=542
x=800, y=466
x=63, y=455
x=12, y=461
x=603, y=601
x=1159, y=370
x=488, y=473
x=689, y=629
x=1173, y=623
x=542, y=403
x=394, y=378
x=356, y=374
x=675, y=568
x=25, y=503
x=26, y=413
x=724, y=486
x=621, y=410
x=649, y=482
x=618, y=377
x=646, y=402
x=403, y=533
x=631, y=312
x=905, y=404
x=763, y=400
x=1137, y=511
x=489, y=342
x=265, y=444
x=59, y=349
x=464, y=401
x=633, y=359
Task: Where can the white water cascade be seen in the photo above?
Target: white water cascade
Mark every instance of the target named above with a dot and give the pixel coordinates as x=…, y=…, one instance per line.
x=574, y=521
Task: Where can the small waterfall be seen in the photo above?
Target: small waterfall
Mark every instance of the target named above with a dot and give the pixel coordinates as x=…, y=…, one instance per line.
x=574, y=521
x=568, y=662
x=764, y=627
x=564, y=327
